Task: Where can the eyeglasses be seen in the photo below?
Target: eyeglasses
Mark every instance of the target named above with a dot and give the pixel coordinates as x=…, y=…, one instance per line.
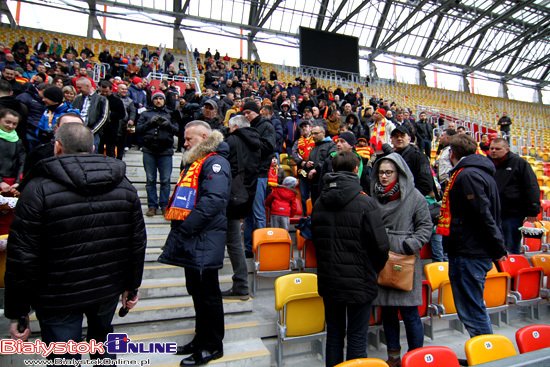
x=385, y=173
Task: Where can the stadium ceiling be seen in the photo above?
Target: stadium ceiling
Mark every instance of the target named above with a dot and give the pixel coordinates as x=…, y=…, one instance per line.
x=507, y=39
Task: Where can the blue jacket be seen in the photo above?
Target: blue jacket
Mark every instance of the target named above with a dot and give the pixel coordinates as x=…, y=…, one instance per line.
x=199, y=241
x=291, y=130
x=62, y=109
x=137, y=95
x=35, y=108
x=475, y=230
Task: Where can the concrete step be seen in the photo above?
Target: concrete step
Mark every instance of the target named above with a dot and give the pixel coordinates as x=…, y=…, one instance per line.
x=172, y=287
x=156, y=270
x=168, y=308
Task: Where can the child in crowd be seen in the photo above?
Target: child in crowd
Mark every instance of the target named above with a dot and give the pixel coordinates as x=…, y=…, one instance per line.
x=363, y=149
x=276, y=173
x=282, y=203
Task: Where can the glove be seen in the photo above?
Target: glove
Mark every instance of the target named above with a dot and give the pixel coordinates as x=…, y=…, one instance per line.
x=155, y=120
x=163, y=122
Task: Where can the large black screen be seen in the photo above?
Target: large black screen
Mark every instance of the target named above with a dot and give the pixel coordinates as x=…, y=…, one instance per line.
x=329, y=50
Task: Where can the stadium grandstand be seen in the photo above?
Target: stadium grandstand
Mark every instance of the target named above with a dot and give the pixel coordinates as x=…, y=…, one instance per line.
x=482, y=67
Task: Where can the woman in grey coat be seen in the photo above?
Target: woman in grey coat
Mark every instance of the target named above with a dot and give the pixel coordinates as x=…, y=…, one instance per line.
x=407, y=220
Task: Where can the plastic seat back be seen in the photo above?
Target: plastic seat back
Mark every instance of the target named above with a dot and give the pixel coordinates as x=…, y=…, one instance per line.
x=426, y=252
x=533, y=244
x=542, y=261
x=527, y=281
x=3, y=257
x=272, y=248
x=430, y=357
x=497, y=289
x=363, y=362
x=426, y=299
x=493, y=270
x=487, y=348
x=307, y=252
x=436, y=273
x=303, y=310
x=533, y=337
x=309, y=207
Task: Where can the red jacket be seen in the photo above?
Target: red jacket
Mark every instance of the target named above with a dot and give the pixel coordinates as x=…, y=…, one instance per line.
x=282, y=201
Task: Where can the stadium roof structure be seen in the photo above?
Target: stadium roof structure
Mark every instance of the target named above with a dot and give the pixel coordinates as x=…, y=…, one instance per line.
x=508, y=40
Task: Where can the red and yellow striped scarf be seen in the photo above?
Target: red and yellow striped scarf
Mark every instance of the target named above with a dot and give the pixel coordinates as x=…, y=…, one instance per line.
x=185, y=193
x=305, y=145
x=376, y=135
x=445, y=213
x=364, y=152
x=273, y=178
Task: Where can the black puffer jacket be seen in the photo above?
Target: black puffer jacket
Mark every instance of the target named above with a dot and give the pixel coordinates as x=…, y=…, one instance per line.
x=475, y=229
x=77, y=238
x=249, y=141
x=157, y=139
x=268, y=142
x=518, y=187
x=350, y=241
x=419, y=165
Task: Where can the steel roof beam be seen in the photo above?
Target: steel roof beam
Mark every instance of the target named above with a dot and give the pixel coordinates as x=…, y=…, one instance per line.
x=381, y=23
x=321, y=16
x=435, y=12
x=432, y=35
x=336, y=14
x=476, y=47
x=351, y=15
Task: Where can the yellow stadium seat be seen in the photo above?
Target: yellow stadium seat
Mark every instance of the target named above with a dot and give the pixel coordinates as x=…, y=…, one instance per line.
x=487, y=348
x=300, y=310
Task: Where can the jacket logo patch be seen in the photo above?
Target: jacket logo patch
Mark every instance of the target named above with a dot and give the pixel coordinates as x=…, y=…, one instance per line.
x=333, y=184
x=470, y=197
x=216, y=168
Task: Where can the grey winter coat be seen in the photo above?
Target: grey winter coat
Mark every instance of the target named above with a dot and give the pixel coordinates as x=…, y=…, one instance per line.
x=409, y=227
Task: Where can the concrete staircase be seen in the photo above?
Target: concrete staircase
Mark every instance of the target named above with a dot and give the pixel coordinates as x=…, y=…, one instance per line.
x=165, y=311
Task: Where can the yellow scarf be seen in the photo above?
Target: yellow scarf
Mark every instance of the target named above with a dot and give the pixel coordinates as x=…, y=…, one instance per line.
x=375, y=140
x=365, y=152
x=185, y=193
x=445, y=213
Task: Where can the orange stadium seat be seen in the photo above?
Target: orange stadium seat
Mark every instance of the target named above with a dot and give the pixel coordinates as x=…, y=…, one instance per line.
x=273, y=255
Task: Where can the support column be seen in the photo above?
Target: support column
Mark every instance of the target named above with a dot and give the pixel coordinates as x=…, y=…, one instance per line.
x=503, y=89
x=93, y=23
x=464, y=85
x=421, y=77
x=537, y=96
x=179, y=39
x=372, y=69
x=252, y=50
x=4, y=9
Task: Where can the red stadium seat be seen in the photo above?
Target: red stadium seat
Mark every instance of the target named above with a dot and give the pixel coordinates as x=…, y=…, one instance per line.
x=533, y=337
x=430, y=357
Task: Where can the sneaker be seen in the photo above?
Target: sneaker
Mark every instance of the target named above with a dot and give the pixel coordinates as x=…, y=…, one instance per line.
x=159, y=211
x=229, y=294
x=126, y=149
x=150, y=212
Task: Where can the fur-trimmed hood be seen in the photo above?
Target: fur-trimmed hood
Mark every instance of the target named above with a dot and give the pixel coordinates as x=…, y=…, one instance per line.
x=214, y=143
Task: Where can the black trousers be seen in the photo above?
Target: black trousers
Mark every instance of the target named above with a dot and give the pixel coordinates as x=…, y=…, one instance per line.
x=207, y=299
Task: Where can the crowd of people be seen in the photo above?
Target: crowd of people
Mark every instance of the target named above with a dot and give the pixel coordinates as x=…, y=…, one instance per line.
x=365, y=166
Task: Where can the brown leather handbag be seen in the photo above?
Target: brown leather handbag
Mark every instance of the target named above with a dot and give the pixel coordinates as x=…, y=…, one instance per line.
x=398, y=272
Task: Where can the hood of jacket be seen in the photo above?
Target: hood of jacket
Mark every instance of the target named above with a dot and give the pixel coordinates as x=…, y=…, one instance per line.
x=285, y=192
x=339, y=189
x=406, y=178
x=213, y=144
x=249, y=136
x=85, y=174
x=478, y=161
x=324, y=141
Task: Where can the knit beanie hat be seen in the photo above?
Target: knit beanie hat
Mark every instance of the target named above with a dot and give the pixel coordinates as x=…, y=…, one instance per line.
x=290, y=182
x=381, y=111
x=54, y=94
x=158, y=93
x=252, y=106
x=349, y=137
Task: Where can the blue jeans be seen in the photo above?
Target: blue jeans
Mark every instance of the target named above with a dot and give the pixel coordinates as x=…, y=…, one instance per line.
x=65, y=326
x=467, y=278
x=413, y=326
x=512, y=235
x=162, y=163
x=437, y=248
x=256, y=217
x=426, y=146
x=346, y=319
x=96, y=144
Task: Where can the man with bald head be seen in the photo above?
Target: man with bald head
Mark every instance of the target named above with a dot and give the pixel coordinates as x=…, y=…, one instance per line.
x=197, y=239
x=94, y=108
